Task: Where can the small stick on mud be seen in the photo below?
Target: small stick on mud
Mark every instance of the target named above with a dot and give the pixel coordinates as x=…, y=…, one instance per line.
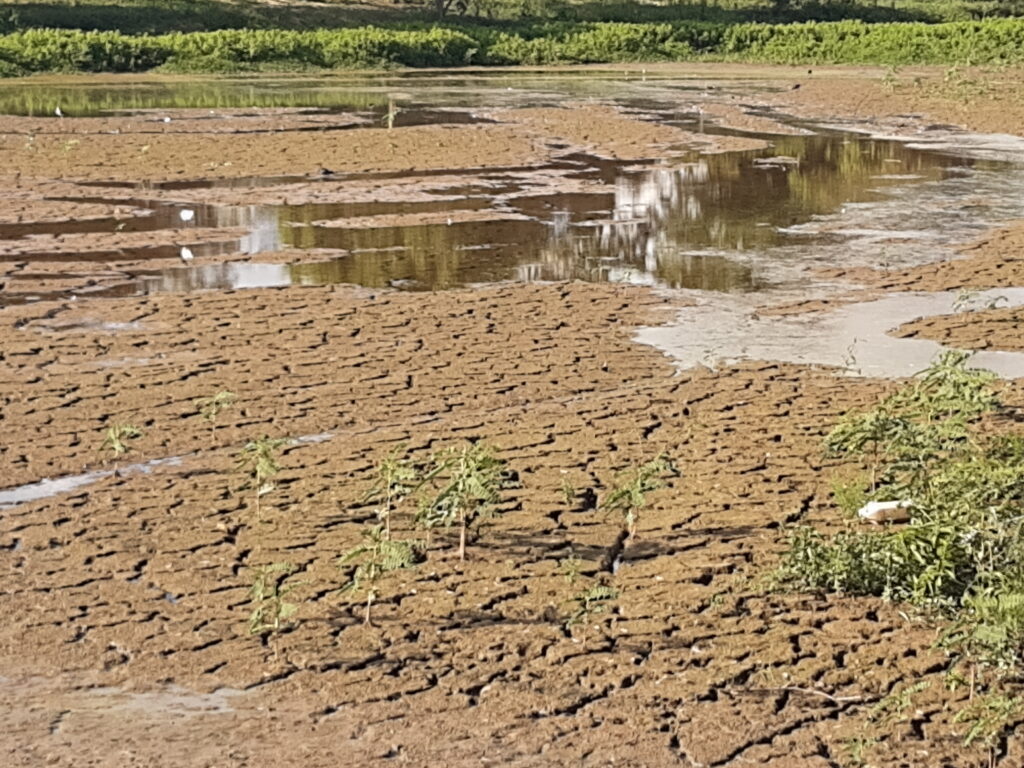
x=837, y=700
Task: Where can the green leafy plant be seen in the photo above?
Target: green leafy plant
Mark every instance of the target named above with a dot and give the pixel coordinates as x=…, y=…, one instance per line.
x=893, y=708
x=397, y=479
x=858, y=747
x=934, y=444
x=258, y=460
x=117, y=439
x=570, y=568
x=209, y=408
x=667, y=36
x=466, y=484
x=376, y=557
x=270, y=606
x=990, y=717
x=391, y=114
x=568, y=491
x=629, y=496
x=590, y=602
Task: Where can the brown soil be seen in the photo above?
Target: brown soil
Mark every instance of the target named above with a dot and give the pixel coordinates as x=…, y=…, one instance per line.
x=985, y=329
x=139, y=581
x=606, y=132
x=973, y=98
x=994, y=260
x=122, y=149
x=127, y=599
x=419, y=219
x=737, y=118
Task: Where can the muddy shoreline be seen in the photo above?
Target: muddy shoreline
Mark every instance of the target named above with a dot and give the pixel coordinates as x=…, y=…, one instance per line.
x=128, y=595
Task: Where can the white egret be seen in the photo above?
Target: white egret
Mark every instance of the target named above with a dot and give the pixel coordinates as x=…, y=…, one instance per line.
x=186, y=214
x=186, y=253
x=58, y=112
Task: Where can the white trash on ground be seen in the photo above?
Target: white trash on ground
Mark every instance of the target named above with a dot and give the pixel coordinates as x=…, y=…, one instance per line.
x=886, y=511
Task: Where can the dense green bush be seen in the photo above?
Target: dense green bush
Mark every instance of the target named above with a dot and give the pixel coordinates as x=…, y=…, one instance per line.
x=51, y=50
x=962, y=552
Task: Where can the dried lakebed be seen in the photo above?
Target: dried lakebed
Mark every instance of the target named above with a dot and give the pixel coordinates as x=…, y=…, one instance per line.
x=130, y=594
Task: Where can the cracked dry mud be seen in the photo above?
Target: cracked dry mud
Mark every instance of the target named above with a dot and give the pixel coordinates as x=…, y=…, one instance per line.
x=125, y=640
x=138, y=583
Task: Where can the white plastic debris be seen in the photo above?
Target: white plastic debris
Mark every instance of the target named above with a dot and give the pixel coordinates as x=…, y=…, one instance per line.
x=886, y=511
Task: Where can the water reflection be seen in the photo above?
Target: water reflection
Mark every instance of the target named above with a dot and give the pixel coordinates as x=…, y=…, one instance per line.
x=716, y=223
x=80, y=97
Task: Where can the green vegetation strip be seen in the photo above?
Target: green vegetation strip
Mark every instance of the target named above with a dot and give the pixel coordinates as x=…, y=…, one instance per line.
x=994, y=41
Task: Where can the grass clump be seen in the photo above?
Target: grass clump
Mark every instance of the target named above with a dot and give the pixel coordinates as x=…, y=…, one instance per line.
x=962, y=553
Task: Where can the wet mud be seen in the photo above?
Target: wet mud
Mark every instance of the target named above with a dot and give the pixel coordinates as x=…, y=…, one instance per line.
x=127, y=581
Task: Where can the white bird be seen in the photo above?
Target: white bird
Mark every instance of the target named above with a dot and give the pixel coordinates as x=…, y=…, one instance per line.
x=58, y=111
x=186, y=253
x=167, y=119
x=187, y=214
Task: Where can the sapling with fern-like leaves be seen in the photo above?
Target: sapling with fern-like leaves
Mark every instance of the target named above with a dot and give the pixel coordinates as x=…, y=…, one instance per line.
x=377, y=556
x=629, y=496
x=942, y=444
x=268, y=597
x=397, y=479
x=258, y=460
x=465, y=490
x=209, y=408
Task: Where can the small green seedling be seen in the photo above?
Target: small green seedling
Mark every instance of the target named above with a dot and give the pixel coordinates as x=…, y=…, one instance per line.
x=397, y=479
x=472, y=478
x=629, y=497
x=378, y=556
x=270, y=608
x=258, y=460
x=568, y=492
x=858, y=747
x=570, y=568
x=589, y=603
x=209, y=408
x=118, y=439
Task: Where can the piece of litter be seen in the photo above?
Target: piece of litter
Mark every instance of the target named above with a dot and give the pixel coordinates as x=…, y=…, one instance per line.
x=886, y=511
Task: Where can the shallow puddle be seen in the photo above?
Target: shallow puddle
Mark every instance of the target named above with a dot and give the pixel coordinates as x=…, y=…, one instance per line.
x=731, y=223
x=48, y=488
x=853, y=337
x=716, y=226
